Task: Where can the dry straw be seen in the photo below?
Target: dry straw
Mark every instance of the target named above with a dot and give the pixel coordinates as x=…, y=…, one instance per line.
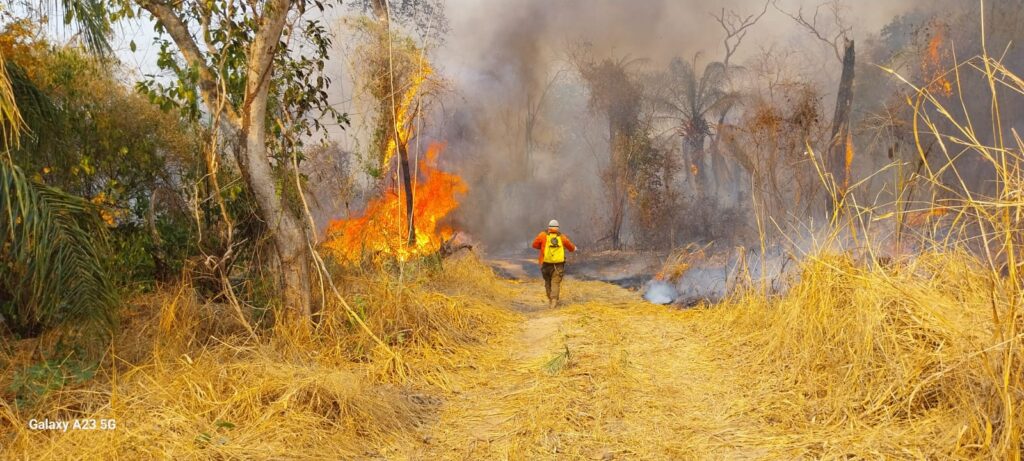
x=921, y=357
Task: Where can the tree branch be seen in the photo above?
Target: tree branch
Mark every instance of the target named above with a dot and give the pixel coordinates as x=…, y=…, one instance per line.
x=179, y=32
x=735, y=27
x=264, y=46
x=838, y=40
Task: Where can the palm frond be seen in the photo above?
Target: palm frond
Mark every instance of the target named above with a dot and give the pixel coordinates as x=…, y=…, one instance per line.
x=93, y=22
x=10, y=117
x=41, y=119
x=53, y=257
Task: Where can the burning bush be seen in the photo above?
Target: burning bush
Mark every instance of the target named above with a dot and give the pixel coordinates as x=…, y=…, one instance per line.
x=381, y=231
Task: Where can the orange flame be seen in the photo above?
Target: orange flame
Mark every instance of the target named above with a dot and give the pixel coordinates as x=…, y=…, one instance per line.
x=932, y=63
x=403, y=117
x=847, y=161
x=382, y=228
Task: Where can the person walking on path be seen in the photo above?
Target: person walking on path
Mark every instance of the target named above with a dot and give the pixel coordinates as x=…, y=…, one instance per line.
x=552, y=245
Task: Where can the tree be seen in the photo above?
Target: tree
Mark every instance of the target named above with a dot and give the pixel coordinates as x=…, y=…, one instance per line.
x=398, y=79
x=534, y=104
x=736, y=27
x=52, y=249
x=689, y=100
x=10, y=116
x=77, y=139
x=839, y=151
x=254, y=85
x=89, y=17
x=617, y=94
x=834, y=34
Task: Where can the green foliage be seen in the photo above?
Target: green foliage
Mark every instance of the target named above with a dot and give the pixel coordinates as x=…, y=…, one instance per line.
x=31, y=383
x=53, y=256
x=299, y=108
x=92, y=21
x=78, y=139
x=139, y=262
x=559, y=362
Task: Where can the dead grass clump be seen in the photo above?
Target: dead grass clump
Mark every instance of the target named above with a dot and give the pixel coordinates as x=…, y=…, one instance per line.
x=908, y=353
x=179, y=385
x=422, y=308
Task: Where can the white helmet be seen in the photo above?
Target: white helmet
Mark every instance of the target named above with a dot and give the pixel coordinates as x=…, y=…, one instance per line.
x=553, y=223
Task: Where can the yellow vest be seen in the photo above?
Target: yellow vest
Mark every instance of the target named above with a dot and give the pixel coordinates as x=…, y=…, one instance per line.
x=554, y=248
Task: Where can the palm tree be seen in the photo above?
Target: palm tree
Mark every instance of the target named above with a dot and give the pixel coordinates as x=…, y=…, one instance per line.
x=52, y=244
x=93, y=23
x=89, y=17
x=690, y=100
x=10, y=117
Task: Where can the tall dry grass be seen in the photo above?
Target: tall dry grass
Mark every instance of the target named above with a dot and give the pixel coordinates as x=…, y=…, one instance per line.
x=890, y=362
x=186, y=380
x=912, y=355
x=918, y=357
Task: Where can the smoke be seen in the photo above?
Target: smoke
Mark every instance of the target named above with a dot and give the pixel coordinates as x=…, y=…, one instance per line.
x=518, y=125
x=660, y=292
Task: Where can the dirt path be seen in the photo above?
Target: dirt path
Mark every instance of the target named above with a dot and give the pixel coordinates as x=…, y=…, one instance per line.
x=606, y=376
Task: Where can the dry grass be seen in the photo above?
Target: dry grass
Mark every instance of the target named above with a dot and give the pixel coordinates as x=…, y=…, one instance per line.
x=853, y=363
x=921, y=358
x=901, y=362
x=183, y=381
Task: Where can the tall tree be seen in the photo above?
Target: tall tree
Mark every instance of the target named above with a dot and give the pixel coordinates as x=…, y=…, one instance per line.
x=248, y=77
x=616, y=93
x=835, y=33
x=389, y=116
x=690, y=99
x=397, y=69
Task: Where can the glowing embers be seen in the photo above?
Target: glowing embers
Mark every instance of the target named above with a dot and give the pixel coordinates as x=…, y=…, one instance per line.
x=932, y=62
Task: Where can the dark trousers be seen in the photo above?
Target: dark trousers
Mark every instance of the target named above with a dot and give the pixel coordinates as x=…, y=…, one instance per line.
x=553, y=273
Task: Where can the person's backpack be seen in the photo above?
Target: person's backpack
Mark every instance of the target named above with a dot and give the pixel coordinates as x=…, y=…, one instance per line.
x=554, y=251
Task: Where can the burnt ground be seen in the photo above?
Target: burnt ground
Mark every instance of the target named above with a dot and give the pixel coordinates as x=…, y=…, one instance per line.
x=627, y=269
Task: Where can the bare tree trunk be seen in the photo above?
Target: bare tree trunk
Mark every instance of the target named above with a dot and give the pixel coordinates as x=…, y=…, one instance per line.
x=620, y=215
x=837, y=163
x=285, y=227
x=249, y=122
x=380, y=10
x=161, y=272
x=617, y=188
x=403, y=158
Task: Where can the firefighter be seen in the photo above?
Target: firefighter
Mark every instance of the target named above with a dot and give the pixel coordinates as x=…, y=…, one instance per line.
x=552, y=245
